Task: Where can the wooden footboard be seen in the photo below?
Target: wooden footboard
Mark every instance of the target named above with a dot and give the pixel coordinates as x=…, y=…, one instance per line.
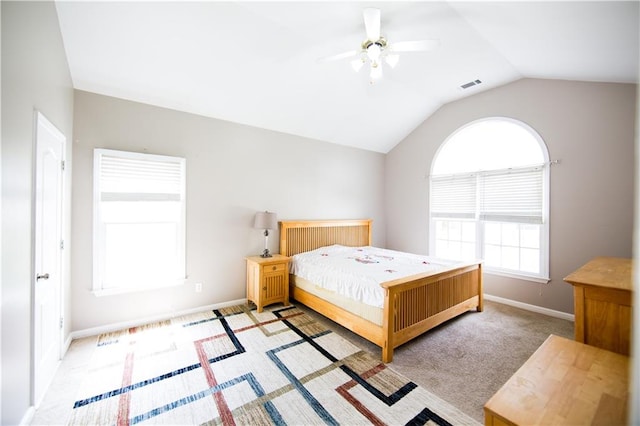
x=416, y=304
x=412, y=305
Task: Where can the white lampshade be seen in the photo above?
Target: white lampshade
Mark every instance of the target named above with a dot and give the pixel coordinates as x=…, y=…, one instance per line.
x=266, y=220
x=392, y=60
x=376, y=72
x=356, y=64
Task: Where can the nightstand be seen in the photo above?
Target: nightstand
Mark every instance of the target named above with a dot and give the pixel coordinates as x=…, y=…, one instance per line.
x=267, y=280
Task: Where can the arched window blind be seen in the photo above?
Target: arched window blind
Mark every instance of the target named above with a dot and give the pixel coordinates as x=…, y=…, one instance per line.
x=454, y=196
x=509, y=195
x=512, y=195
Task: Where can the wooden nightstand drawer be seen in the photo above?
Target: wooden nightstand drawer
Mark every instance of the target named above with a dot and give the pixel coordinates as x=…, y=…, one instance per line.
x=279, y=267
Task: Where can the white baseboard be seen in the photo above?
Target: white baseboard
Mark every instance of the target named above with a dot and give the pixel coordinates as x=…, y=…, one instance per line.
x=28, y=415
x=65, y=345
x=532, y=308
x=94, y=331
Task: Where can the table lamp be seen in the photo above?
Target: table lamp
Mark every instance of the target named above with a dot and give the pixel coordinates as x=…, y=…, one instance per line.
x=266, y=220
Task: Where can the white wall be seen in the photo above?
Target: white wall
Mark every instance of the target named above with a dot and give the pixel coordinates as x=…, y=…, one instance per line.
x=35, y=75
x=232, y=171
x=588, y=127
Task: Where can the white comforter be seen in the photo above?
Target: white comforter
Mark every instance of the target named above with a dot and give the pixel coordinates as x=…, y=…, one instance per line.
x=357, y=272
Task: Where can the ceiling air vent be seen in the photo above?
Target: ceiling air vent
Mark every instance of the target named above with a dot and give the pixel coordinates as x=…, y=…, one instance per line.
x=470, y=84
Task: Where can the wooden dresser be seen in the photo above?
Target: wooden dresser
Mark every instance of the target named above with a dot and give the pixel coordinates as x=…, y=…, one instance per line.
x=602, y=292
x=564, y=383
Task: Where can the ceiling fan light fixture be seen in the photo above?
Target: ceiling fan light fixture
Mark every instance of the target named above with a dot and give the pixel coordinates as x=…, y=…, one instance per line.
x=357, y=64
x=392, y=60
x=376, y=73
x=376, y=50
x=373, y=52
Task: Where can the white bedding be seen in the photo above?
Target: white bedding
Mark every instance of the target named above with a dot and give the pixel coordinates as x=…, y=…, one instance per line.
x=357, y=272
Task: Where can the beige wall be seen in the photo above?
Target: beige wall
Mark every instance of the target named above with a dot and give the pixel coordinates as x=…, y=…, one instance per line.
x=588, y=127
x=35, y=75
x=232, y=171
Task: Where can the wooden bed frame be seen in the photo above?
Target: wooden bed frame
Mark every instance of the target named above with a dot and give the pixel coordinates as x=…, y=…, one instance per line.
x=412, y=305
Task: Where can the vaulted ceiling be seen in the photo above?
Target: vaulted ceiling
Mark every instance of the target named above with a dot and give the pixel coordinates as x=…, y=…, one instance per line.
x=257, y=63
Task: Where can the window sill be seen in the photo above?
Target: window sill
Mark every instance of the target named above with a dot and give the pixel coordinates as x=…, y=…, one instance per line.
x=113, y=291
x=535, y=279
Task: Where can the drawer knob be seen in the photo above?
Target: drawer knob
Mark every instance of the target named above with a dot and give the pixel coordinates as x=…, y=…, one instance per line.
x=274, y=268
x=264, y=288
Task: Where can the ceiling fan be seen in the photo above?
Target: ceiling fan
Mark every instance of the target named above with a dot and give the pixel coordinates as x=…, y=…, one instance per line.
x=376, y=49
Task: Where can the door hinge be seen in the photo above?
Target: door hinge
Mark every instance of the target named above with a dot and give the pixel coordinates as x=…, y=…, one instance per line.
x=61, y=244
x=62, y=165
x=61, y=322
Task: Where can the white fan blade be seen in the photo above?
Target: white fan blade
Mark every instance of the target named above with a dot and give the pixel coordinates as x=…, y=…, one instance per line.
x=414, y=46
x=339, y=56
x=372, y=23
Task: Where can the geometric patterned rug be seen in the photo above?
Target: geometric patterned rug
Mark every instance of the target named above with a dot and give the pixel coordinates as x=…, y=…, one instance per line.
x=235, y=366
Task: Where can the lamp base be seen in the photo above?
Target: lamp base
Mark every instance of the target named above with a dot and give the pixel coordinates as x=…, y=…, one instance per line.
x=266, y=253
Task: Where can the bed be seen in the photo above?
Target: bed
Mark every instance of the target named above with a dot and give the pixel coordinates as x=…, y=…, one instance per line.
x=411, y=305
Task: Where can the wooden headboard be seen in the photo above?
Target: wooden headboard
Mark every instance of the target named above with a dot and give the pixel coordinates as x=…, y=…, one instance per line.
x=297, y=236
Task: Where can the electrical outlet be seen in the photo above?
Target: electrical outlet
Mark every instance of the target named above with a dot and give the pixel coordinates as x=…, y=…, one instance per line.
x=198, y=287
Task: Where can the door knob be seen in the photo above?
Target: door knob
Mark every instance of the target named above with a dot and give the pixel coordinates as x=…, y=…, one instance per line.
x=42, y=277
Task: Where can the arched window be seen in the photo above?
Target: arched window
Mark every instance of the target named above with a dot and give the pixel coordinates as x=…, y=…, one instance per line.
x=489, y=195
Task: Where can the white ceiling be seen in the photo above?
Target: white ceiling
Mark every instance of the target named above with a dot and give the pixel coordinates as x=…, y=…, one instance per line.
x=256, y=63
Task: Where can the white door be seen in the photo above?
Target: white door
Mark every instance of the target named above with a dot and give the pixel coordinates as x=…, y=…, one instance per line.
x=50, y=146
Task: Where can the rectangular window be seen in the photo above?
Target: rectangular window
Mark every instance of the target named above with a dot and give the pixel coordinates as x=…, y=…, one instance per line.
x=455, y=239
x=497, y=216
x=139, y=221
x=512, y=246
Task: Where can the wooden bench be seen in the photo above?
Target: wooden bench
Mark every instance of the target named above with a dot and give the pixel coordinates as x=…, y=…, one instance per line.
x=564, y=383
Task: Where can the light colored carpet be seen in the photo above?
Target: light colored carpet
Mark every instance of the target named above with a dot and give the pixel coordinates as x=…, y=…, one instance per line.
x=466, y=360
x=235, y=366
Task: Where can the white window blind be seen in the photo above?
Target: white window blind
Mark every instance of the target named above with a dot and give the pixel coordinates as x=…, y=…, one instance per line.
x=512, y=195
x=129, y=179
x=139, y=221
x=453, y=196
x=508, y=195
